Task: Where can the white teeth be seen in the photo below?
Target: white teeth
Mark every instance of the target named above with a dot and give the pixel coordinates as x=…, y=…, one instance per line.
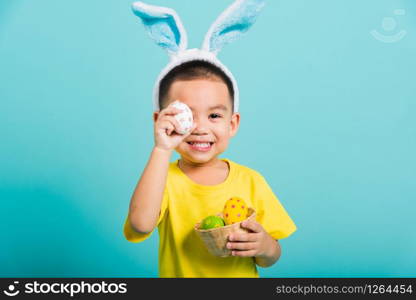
x=202, y=145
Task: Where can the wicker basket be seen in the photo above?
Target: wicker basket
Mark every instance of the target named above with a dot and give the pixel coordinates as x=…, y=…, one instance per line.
x=215, y=239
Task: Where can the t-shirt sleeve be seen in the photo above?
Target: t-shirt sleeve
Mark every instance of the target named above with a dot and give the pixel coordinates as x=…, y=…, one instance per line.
x=270, y=212
x=135, y=237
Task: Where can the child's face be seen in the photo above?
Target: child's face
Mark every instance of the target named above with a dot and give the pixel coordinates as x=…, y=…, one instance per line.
x=212, y=111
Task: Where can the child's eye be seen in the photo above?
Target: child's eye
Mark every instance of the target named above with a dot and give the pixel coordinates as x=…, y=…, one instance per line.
x=215, y=116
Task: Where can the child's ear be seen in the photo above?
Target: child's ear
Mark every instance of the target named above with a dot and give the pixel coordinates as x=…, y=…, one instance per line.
x=235, y=124
x=155, y=116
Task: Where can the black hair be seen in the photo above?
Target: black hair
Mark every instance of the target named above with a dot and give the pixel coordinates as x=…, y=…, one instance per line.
x=196, y=69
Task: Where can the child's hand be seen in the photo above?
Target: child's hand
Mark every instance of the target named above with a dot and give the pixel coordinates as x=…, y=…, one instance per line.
x=166, y=127
x=256, y=243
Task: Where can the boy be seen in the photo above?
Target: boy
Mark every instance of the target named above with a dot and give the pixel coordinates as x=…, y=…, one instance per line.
x=176, y=195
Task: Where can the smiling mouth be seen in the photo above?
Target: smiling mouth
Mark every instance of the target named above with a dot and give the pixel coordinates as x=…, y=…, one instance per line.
x=200, y=146
x=200, y=143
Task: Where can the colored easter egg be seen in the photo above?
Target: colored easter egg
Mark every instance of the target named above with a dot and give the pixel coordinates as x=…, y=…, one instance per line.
x=235, y=210
x=212, y=222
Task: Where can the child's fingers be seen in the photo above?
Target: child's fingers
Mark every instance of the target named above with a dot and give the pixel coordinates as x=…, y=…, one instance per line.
x=174, y=122
x=249, y=253
x=169, y=111
x=252, y=225
x=242, y=237
x=166, y=126
x=242, y=246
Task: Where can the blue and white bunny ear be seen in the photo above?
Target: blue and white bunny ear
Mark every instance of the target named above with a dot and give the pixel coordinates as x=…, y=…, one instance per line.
x=231, y=24
x=163, y=25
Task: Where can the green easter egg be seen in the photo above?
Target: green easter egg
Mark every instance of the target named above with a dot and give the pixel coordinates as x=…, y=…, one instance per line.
x=212, y=222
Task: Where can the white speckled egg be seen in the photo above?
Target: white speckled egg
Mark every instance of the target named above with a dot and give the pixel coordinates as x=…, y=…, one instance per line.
x=184, y=118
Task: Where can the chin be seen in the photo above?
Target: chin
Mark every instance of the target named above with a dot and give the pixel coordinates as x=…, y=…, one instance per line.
x=197, y=157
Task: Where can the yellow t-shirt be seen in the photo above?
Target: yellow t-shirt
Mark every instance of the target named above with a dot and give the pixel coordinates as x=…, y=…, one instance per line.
x=181, y=251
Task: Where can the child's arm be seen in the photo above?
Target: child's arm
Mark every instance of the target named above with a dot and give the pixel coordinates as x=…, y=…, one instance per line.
x=272, y=254
x=147, y=198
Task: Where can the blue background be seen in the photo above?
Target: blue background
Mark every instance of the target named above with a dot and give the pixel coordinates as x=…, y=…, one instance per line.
x=328, y=117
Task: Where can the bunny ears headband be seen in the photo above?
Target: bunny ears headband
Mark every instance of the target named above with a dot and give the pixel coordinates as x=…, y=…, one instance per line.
x=165, y=28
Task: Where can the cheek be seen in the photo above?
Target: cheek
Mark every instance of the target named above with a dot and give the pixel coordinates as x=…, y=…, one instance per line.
x=223, y=131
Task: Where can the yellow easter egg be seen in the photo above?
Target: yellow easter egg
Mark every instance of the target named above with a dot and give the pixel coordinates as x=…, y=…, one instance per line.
x=235, y=210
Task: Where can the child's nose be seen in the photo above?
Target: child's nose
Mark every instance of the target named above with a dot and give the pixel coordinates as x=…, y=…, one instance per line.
x=201, y=126
x=199, y=130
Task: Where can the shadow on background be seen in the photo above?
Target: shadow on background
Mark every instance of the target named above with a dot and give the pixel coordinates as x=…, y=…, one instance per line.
x=49, y=237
